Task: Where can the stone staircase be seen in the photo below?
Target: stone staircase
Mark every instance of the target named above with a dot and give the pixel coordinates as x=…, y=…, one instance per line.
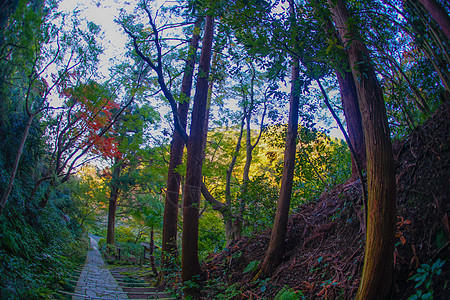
x=137, y=288
x=95, y=281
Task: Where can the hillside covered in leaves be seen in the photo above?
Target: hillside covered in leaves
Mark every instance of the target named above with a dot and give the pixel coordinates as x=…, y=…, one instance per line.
x=325, y=238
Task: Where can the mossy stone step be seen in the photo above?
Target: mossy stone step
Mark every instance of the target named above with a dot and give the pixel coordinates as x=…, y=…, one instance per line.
x=144, y=296
x=140, y=289
x=76, y=296
x=136, y=284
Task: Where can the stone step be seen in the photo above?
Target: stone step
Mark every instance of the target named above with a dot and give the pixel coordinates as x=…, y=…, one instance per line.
x=124, y=276
x=132, y=293
x=97, y=281
x=76, y=296
x=129, y=279
x=141, y=290
x=143, y=296
x=138, y=298
x=76, y=270
x=137, y=284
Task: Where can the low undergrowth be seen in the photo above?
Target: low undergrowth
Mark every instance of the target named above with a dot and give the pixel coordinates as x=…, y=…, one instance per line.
x=39, y=249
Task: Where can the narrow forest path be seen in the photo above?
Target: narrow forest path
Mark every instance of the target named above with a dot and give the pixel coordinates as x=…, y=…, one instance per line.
x=96, y=281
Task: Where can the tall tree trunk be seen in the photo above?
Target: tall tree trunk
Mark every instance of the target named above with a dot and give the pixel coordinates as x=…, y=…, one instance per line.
x=112, y=207
x=350, y=105
x=48, y=192
x=152, y=252
x=190, y=265
x=239, y=219
x=230, y=234
x=114, y=195
x=170, y=223
x=15, y=167
x=438, y=14
x=352, y=114
x=276, y=248
x=376, y=280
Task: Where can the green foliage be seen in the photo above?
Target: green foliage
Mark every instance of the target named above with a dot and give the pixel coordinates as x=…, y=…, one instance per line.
x=38, y=252
x=230, y=292
x=39, y=246
x=149, y=211
x=101, y=243
x=261, y=202
x=251, y=267
x=211, y=234
x=316, y=154
x=424, y=279
x=172, y=276
x=441, y=238
x=89, y=194
x=127, y=249
x=126, y=234
x=321, y=161
x=122, y=253
x=287, y=293
x=321, y=164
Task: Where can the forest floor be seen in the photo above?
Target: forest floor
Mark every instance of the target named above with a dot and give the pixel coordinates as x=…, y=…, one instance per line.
x=325, y=238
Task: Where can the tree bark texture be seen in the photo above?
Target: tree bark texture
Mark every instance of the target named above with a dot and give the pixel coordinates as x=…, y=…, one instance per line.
x=276, y=248
x=349, y=96
x=350, y=105
x=438, y=14
x=152, y=252
x=376, y=280
x=112, y=207
x=238, y=222
x=190, y=265
x=48, y=192
x=170, y=222
x=230, y=234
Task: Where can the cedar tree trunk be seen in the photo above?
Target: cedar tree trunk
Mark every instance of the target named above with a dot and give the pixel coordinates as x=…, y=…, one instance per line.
x=352, y=114
x=438, y=14
x=376, y=281
x=114, y=195
x=350, y=105
x=170, y=223
x=230, y=234
x=238, y=221
x=276, y=248
x=152, y=252
x=190, y=265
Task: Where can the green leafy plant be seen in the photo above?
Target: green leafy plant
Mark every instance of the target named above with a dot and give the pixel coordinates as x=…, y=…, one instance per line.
x=424, y=279
x=251, y=267
x=287, y=293
x=230, y=292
